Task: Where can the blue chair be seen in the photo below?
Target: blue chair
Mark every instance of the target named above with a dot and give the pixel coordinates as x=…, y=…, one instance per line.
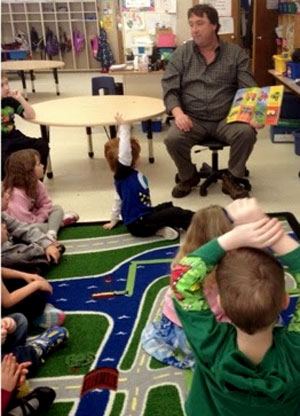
x=108, y=86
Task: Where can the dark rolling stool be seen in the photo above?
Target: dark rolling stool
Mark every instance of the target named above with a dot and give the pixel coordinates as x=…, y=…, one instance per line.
x=212, y=173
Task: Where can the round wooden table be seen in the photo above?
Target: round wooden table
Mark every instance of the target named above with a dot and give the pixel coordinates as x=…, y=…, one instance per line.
x=92, y=111
x=30, y=66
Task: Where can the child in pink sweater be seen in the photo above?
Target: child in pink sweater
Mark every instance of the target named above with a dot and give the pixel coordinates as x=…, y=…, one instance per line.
x=29, y=200
x=162, y=339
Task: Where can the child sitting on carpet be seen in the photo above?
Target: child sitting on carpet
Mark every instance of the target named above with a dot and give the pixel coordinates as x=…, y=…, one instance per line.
x=165, y=339
x=32, y=350
x=26, y=293
x=12, y=102
x=29, y=200
x=132, y=199
x=248, y=367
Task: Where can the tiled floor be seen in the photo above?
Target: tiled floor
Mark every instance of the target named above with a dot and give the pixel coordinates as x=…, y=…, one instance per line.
x=86, y=185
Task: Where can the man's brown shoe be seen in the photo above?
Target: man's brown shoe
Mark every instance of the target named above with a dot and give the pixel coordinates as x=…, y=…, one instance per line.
x=183, y=188
x=232, y=187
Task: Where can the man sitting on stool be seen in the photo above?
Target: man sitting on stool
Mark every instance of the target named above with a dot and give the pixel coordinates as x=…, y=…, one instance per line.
x=199, y=85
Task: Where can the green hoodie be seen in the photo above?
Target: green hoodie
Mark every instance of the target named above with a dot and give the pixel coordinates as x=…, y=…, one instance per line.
x=225, y=381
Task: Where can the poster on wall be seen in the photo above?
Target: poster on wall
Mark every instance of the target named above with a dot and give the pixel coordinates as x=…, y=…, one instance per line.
x=133, y=21
x=223, y=6
x=144, y=5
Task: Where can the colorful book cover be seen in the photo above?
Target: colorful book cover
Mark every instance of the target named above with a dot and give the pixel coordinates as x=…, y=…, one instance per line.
x=259, y=104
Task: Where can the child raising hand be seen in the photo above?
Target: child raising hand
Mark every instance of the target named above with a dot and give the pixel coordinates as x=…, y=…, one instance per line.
x=132, y=198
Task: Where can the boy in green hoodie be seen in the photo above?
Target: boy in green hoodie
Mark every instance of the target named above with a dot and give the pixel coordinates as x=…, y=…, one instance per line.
x=249, y=367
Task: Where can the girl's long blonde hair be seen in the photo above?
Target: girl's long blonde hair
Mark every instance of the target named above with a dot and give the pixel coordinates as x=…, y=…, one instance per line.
x=19, y=172
x=206, y=224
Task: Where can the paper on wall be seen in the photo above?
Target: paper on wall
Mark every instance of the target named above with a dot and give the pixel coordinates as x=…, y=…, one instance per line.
x=133, y=21
x=223, y=6
x=154, y=21
x=227, y=25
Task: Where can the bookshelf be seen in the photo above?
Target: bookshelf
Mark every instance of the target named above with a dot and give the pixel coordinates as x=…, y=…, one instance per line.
x=59, y=16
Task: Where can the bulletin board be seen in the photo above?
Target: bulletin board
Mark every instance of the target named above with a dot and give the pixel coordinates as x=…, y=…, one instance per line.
x=141, y=18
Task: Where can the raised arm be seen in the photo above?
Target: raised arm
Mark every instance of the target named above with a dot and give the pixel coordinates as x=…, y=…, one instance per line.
x=125, y=154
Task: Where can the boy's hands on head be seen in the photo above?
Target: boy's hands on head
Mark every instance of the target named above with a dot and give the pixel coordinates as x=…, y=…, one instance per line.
x=259, y=234
x=244, y=210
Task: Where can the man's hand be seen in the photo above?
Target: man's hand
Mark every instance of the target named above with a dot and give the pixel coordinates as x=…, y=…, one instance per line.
x=260, y=234
x=108, y=226
x=256, y=125
x=52, y=253
x=182, y=121
x=244, y=210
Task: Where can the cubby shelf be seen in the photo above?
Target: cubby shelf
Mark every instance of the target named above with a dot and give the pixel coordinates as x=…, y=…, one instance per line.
x=22, y=16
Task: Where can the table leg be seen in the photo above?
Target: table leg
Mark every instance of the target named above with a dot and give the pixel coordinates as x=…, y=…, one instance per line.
x=32, y=80
x=56, y=80
x=22, y=75
x=112, y=132
x=150, y=142
x=45, y=132
x=90, y=141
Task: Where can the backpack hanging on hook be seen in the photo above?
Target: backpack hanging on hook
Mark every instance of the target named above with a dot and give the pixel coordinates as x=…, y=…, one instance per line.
x=78, y=41
x=52, y=45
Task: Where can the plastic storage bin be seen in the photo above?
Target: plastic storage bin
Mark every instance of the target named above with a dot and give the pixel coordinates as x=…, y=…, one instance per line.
x=296, y=134
x=293, y=70
x=280, y=63
x=281, y=134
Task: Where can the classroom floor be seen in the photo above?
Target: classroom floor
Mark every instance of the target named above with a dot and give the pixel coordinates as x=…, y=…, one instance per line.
x=86, y=185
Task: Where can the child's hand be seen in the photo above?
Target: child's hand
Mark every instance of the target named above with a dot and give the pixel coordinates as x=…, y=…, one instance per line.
x=29, y=277
x=119, y=118
x=52, y=253
x=108, y=226
x=9, y=324
x=42, y=285
x=244, y=210
x=260, y=234
x=15, y=94
x=12, y=373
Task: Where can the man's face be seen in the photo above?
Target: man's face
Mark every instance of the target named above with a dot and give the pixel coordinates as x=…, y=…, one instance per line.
x=4, y=87
x=202, y=31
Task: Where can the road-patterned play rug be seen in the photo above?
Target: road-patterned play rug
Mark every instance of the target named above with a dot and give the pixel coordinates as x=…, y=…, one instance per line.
x=110, y=285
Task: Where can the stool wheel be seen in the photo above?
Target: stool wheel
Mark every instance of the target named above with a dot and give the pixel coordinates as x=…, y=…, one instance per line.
x=203, y=192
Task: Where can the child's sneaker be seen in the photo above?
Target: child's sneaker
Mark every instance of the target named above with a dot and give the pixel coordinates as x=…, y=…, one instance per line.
x=50, y=317
x=168, y=233
x=70, y=218
x=35, y=402
x=48, y=340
